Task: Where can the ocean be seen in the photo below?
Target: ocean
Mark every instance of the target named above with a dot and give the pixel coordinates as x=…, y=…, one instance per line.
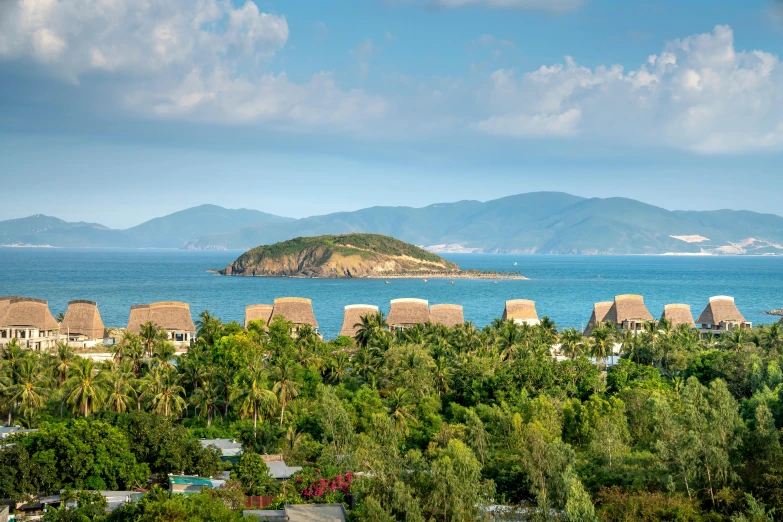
x=564, y=287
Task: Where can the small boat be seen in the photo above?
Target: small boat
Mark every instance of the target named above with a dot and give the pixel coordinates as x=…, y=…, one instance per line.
x=494, y=282
x=515, y=263
x=452, y=282
x=388, y=283
x=425, y=280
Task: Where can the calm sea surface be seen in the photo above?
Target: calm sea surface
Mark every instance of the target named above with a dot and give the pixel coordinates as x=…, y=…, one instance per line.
x=564, y=287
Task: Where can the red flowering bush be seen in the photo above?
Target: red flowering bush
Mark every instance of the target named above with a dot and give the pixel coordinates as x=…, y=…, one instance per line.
x=323, y=485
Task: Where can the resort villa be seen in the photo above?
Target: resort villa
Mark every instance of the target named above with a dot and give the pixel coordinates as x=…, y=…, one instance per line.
x=173, y=317
x=521, y=311
x=29, y=321
x=678, y=314
x=353, y=315
x=407, y=312
x=258, y=312
x=82, y=325
x=448, y=315
x=721, y=315
x=297, y=310
x=627, y=312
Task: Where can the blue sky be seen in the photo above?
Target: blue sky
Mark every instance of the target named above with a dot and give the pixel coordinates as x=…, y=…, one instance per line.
x=114, y=113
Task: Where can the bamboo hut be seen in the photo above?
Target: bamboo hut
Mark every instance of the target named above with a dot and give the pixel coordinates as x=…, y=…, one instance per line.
x=599, y=316
x=353, y=316
x=407, y=312
x=171, y=316
x=29, y=321
x=449, y=315
x=521, y=311
x=297, y=310
x=258, y=312
x=629, y=312
x=722, y=315
x=83, y=322
x=677, y=314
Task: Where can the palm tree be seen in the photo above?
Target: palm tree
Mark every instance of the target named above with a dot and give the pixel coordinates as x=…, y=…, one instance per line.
x=602, y=341
x=208, y=396
x=131, y=349
x=30, y=387
x=208, y=327
x=167, y=392
x=64, y=358
x=399, y=406
x=85, y=387
x=442, y=371
x=150, y=336
x=737, y=339
x=119, y=388
x=771, y=337
x=508, y=340
x=338, y=366
x=164, y=353
x=572, y=343
x=284, y=387
x=251, y=397
x=370, y=327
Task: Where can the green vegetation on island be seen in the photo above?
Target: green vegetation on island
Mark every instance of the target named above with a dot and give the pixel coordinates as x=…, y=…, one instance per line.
x=428, y=423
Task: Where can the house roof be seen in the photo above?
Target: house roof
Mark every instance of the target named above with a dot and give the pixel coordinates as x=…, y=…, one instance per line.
x=600, y=312
x=447, y=314
x=227, y=447
x=298, y=310
x=523, y=309
x=721, y=309
x=169, y=315
x=255, y=312
x=408, y=311
x=628, y=307
x=353, y=315
x=82, y=317
x=677, y=314
x=279, y=470
x=26, y=311
x=316, y=513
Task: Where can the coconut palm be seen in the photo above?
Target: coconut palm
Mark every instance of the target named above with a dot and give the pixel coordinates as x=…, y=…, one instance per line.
x=508, y=341
x=338, y=366
x=737, y=339
x=602, y=341
x=284, y=387
x=572, y=343
x=399, y=404
x=251, y=396
x=85, y=387
x=771, y=337
x=150, y=336
x=369, y=327
x=29, y=388
x=64, y=358
x=131, y=349
x=208, y=327
x=166, y=396
x=120, y=394
x=163, y=354
x=208, y=397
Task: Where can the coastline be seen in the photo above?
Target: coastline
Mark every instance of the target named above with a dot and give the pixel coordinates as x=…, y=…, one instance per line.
x=434, y=275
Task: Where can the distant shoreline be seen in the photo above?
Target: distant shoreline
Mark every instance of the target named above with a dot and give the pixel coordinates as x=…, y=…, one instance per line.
x=435, y=275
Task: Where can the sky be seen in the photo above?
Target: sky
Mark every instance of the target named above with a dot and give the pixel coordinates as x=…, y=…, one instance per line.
x=117, y=111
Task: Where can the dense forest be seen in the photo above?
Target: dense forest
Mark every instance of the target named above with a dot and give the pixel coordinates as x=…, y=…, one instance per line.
x=428, y=423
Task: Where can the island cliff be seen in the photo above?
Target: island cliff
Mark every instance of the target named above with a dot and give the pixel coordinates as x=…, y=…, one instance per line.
x=347, y=256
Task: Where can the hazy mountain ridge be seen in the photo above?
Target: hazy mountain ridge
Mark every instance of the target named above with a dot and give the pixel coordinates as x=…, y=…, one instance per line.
x=543, y=222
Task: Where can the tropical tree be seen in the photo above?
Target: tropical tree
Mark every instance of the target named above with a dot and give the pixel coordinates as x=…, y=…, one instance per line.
x=167, y=393
x=85, y=387
x=120, y=394
x=208, y=327
x=285, y=387
x=370, y=327
x=30, y=386
x=151, y=335
x=572, y=343
x=252, y=398
x=64, y=357
x=602, y=341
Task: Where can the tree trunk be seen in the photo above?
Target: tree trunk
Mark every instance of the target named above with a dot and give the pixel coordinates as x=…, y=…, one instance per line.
x=255, y=422
x=282, y=412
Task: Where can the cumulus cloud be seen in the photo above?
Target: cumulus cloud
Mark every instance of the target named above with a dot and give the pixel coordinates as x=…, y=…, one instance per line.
x=195, y=59
x=698, y=94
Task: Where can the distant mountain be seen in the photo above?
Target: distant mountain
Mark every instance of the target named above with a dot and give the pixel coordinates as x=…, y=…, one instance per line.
x=171, y=231
x=176, y=229
x=541, y=222
x=544, y=222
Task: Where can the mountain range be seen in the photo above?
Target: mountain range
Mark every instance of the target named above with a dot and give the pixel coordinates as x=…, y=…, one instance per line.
x=540, y=222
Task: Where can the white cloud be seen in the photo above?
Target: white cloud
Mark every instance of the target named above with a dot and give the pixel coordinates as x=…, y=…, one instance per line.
x=698, y=94
x=195, y=59
x=552, y=6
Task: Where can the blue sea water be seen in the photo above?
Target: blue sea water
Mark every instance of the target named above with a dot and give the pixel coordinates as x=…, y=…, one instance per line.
x=564, y=287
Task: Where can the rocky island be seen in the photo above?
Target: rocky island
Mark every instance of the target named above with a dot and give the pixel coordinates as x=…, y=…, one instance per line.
x=348, y=256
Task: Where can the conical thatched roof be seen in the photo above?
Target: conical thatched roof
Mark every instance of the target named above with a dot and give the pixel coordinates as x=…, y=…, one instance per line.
x=83, y=318
x=257, y=312
x=721, y=309
x=298, y=310
x=169, y=315
x=599, y=316
x=26, y=311
x=353, y=316
x=408, y=311
x=628, y=307
x=446, y=314
x=677, y=314
x=520, y=309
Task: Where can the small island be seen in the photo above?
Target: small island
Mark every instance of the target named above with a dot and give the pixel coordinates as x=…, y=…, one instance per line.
x=349, y=256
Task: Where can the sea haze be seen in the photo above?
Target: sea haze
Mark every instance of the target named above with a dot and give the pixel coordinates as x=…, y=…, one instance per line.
x=564, y=287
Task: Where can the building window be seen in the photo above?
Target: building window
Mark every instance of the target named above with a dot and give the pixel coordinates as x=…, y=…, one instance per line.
x=179, y=337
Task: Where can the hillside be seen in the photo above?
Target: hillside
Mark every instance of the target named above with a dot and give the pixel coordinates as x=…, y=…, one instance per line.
x=46, y=230
x=340, y=256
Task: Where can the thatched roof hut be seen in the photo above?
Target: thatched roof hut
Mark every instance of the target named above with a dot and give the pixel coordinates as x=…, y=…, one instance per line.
x=407, y=312
x=677, y=314
x=599, y=316
x=721, y=310
x=83, y=318
x=257, y=312
x=298, y=310
x=629, y=308
x=353, y=316
x=520, y=311
x=27, y=312
x=447, y=314
x=170, y=315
